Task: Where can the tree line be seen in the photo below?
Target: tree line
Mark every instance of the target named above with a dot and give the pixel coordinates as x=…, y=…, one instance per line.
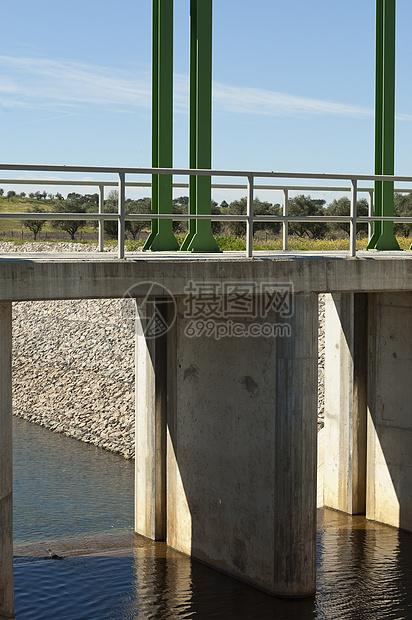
x=89, y=203
x=33, y=195
x=300, y=205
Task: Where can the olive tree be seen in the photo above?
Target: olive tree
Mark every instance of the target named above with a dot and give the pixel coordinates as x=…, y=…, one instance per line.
x=303, y=206
x=73, y=205
x=341, y=206
x=35, y=226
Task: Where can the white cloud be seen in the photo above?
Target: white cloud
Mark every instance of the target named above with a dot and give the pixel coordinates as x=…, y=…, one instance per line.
x=270, y=103
x=40, y=81
x=6, y=85
x=44, y=82
x=404, y=117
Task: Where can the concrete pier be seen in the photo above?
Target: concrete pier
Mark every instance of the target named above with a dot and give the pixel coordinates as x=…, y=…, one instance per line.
x=389, y=489
x=6, y=467
x=151, y=411
x=368, y=396
x=241, y=447
x=344, y=476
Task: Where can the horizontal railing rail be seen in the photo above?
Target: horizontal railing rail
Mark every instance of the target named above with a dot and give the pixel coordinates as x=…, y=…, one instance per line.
x=236, y=186
x=251, y=186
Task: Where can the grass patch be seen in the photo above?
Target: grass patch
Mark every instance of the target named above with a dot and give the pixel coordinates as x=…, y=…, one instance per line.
x=13, y=240
x=132, y=246
x=230, y=244
x=298, y=244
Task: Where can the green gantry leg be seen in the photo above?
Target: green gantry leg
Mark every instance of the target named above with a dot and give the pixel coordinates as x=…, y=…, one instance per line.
x=383, y=237
x=162, y=237
x=378, y=122
x=192, y=122
x=199, y=237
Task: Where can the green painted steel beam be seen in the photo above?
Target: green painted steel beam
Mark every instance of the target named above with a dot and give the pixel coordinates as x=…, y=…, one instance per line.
x=162, y=237
x=155, y=113
x=383, y=237
x=200, y=238
x=192, y=121
x=378, y=121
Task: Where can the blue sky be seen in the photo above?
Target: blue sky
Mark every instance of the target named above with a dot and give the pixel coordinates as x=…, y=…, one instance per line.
x=293, y=84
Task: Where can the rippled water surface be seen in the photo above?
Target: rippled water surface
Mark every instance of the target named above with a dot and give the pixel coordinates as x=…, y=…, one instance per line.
x=364, y=569
x=63, y=487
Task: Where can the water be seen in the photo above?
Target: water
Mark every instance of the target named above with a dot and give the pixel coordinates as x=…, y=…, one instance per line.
x=63, y=487
x=364, y=569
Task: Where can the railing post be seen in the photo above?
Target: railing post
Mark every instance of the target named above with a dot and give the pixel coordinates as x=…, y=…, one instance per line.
x=285, y=222
x=249, y=222
x=101, y=222
x=370, y=213
x=121, y=212
x=353, y=200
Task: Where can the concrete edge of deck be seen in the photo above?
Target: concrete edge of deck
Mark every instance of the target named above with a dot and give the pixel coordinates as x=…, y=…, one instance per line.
x=26, y=276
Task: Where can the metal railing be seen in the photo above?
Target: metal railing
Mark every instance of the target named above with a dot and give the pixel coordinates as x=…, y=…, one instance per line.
x=251, y=187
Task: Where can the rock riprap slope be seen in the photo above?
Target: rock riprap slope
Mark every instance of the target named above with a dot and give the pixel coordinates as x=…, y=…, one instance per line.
x=73, y=370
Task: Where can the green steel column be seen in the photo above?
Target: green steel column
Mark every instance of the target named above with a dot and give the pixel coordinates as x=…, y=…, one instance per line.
x=378, y=122
x=387, y=239
x=192, y=121
x=162, y=237
x=155, y=114
x=385, y=113
x=200, y=238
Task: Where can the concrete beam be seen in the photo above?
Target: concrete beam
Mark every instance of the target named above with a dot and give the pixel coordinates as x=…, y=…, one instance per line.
x=24, y=278
x=241, y=462
x=6, y=467
x=344, y=477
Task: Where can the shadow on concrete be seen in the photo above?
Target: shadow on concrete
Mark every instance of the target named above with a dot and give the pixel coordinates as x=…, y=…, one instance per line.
x=390, y=405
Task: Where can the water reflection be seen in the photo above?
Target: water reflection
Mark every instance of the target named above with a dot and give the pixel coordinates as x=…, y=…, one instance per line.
x=364, y=569
x=63, y=487
x=169, y=585
x=364, y=573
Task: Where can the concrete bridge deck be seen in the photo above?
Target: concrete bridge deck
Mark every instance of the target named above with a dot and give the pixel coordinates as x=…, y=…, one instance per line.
x=46, y=275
